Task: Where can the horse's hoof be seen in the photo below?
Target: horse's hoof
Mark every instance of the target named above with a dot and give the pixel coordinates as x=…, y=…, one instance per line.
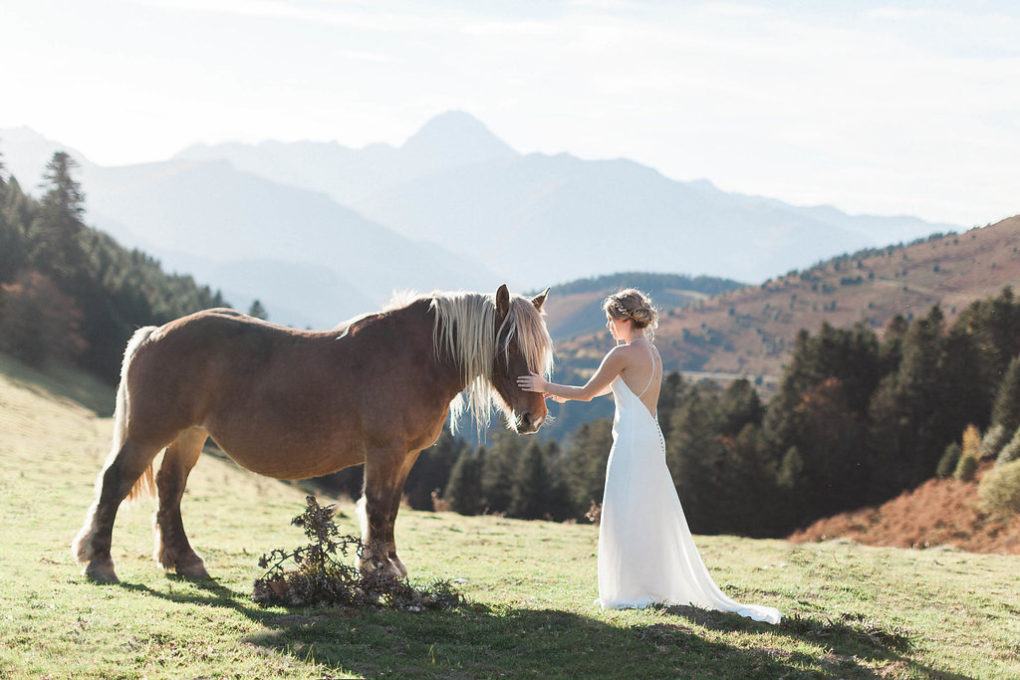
x=101, y=572
x=380, y=567
x=392, y=569
x=192, y=570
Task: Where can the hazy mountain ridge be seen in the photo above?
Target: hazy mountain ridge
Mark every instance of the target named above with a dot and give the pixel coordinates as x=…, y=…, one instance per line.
x=459, y=185
x=456, y=198
x=350, y=175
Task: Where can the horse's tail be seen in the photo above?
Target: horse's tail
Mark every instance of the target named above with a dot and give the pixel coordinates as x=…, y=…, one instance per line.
x=146, y=484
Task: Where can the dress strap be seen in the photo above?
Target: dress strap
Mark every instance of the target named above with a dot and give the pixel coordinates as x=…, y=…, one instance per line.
x=654, y=364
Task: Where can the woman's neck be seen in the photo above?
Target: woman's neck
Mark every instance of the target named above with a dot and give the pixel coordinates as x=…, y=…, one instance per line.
x=631, y=339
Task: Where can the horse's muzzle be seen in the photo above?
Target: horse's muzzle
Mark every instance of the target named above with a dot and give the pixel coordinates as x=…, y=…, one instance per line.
x=526, y=424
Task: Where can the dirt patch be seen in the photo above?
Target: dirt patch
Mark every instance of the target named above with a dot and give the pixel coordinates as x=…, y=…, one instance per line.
x=940, y=512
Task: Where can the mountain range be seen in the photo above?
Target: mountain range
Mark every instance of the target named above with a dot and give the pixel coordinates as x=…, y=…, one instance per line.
x=319, y=231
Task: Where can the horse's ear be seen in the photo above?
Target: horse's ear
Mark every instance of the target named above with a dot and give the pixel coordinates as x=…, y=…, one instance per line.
x=502, y=301
x=539, y=299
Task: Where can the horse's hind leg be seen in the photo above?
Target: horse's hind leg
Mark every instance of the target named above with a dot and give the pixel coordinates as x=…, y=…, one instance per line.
x=122, y=470
x=173, y=550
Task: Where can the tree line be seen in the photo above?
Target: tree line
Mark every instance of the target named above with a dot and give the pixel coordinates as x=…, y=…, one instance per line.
x=857, y=419
x=70, y=292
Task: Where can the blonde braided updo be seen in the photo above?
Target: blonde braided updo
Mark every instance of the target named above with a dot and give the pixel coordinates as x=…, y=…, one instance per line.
x=634, y=305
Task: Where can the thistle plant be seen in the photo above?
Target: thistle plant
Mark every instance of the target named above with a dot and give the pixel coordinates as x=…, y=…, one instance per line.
x=321, y=577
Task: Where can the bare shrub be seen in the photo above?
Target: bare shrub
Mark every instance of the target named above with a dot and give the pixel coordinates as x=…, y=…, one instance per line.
x=321, y=578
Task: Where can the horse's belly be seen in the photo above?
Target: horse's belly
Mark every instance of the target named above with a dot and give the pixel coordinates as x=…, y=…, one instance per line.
x=285, y=459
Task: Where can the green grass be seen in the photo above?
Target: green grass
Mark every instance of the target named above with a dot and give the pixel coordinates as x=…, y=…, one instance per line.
x=850, y=611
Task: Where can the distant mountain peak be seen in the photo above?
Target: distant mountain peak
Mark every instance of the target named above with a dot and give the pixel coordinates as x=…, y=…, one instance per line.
x=457, y=134
x=21, y=133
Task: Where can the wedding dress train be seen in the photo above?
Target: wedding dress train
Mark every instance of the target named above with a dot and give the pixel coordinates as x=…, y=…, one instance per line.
x=646, y=552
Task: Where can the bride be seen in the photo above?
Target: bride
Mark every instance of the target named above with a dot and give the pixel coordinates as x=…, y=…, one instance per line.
x=646, y=552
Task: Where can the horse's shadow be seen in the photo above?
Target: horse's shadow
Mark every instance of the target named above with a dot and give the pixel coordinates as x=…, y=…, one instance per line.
x=479, y=641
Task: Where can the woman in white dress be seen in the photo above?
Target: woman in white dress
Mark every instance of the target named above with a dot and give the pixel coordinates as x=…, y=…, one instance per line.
x=646, y=553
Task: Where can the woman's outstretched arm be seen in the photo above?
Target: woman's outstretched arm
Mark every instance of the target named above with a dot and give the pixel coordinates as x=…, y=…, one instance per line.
x=612, y=365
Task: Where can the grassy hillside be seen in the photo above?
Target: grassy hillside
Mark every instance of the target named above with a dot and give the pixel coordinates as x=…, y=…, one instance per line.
x=575, y=308
x=751, y=330
x=850, y=611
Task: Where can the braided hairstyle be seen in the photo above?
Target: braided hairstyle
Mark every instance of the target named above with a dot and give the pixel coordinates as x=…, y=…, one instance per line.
x=634, y=305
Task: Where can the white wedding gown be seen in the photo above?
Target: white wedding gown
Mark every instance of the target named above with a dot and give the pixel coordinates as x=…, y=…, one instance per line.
x=646, y=552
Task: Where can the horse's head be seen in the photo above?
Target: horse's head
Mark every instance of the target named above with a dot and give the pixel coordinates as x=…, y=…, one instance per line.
x=522, y=346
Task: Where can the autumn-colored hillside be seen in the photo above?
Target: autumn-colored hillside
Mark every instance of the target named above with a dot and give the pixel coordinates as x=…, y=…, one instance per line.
x=940, y=512
x=751, y=330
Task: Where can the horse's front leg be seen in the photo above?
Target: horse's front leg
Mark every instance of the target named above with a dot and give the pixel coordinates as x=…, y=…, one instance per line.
x=385, y=475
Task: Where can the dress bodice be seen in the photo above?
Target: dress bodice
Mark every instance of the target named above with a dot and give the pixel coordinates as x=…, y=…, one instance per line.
x=633, y=419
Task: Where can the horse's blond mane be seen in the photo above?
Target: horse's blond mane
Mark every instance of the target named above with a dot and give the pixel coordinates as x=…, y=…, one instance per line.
x=465, y=330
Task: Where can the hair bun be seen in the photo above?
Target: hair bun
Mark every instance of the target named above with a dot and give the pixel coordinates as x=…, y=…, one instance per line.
x=642, y=315
x=634, y=305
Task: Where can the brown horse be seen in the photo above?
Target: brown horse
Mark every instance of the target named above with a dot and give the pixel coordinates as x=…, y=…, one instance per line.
x=295, y=404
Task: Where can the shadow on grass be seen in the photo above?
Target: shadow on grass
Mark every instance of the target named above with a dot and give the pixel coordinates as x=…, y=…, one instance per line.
x=63, y=381
x=848, y=637
x=478, y=641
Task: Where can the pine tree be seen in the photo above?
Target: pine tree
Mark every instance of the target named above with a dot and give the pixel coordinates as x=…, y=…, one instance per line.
x=1011, y=451
x=57, y=230
x=560, y=505
x=586, y=463
x=910, y=427
x=970, y=454
x=1006, y=410
x=258, y=311
x=696, y=455
x=531, y=490
x=12, y=242
x=431, y=472
x=739, y=406
x=789, y=476
x=671, y=395
x=993, y=325
x=464, y=490
x=498, y=470
x=947, y=463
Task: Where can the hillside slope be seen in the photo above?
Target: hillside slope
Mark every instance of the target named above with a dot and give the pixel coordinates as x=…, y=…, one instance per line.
x=751, y=330
x=575, y=307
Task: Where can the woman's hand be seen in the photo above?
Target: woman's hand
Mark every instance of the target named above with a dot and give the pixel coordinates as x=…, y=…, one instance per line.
x=558, y=399
x=532, y=383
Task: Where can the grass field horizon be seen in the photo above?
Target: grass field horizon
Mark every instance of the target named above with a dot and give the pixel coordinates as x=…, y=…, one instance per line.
x=850, y=611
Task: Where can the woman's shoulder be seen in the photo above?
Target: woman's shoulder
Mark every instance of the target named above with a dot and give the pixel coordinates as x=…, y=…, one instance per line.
x=628, y=353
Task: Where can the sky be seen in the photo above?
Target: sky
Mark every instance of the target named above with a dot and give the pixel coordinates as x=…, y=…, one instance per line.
x=891, y=108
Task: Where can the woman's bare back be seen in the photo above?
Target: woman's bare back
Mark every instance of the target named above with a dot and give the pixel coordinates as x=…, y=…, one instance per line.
x=643, y=373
